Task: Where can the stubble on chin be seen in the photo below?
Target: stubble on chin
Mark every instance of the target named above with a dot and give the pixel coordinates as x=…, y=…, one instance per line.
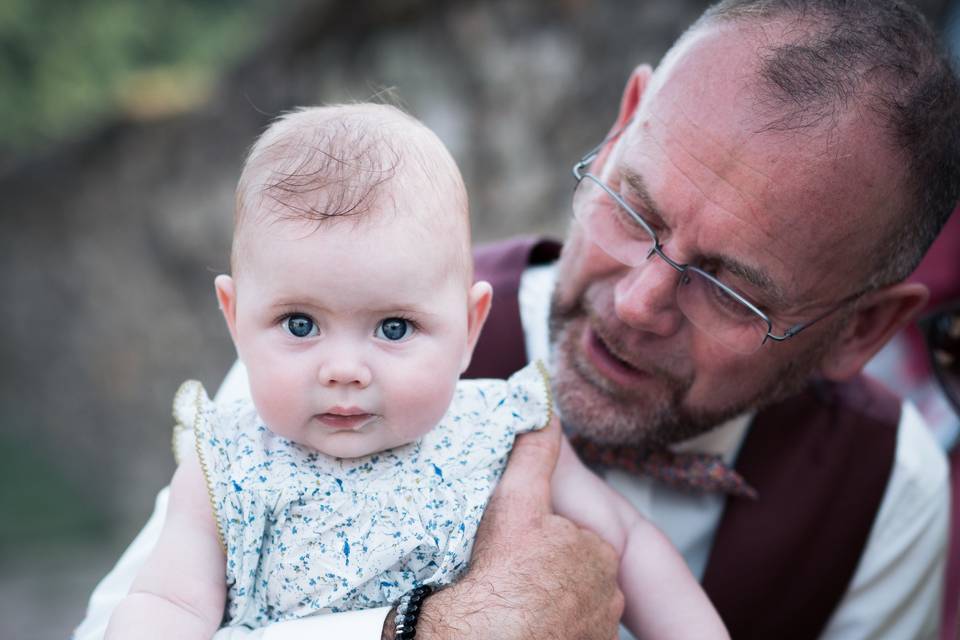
x=595, y=408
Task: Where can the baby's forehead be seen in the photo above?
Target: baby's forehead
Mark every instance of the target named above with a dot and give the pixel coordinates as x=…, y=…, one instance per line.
x=340, y=161
x=397, y=242
x=424, y=221
x=361, y=165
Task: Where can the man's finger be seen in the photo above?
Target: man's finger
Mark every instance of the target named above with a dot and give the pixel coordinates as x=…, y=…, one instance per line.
x=527, y=476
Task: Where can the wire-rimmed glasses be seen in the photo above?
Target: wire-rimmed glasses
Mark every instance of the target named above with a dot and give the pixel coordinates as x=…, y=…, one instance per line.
x=711, y=306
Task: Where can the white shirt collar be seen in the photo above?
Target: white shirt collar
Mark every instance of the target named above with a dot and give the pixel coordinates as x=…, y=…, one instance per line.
x=723, y=441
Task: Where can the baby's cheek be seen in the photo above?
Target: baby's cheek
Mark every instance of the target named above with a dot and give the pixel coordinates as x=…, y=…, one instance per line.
x=278, y=400
x=423, y=399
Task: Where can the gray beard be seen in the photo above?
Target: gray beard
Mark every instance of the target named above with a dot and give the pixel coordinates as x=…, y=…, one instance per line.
x=592, y=407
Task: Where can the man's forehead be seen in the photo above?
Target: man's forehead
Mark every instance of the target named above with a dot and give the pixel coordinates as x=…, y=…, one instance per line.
x=712, y=76
x=795, y=203
x=712, y=86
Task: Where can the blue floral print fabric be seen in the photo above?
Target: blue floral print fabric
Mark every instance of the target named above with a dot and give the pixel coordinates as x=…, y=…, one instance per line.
x=304, y=532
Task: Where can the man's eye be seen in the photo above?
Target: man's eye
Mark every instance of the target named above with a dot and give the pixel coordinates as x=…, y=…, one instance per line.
x=299, y=325
x=394, y=329
x=630, y=223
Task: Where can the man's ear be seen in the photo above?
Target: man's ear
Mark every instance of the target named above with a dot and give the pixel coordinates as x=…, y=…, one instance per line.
x=629, y=102
x=227, y=297
x=879, y=316
x=632, y=94
x=479, y=300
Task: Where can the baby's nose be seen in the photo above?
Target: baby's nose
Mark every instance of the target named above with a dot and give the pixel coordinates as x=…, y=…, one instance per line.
x=344, y=371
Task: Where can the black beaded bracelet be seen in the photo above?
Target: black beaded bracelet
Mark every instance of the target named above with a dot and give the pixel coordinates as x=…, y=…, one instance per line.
x=408, y=611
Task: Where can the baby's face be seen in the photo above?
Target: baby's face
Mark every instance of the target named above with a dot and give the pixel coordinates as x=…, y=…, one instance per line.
x=353, y=335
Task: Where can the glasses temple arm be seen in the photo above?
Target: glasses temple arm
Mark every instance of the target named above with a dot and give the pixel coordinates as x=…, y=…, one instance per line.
x=797, y=328
x=591, y=155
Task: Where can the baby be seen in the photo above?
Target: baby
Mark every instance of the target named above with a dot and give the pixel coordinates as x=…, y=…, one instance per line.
x=361, y=469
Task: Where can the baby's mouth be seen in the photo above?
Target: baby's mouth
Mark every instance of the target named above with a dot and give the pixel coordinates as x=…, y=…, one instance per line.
x=345, y=419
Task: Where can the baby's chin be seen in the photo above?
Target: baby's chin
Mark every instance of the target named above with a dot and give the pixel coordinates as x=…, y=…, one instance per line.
x=349, y=445
x=341, y=447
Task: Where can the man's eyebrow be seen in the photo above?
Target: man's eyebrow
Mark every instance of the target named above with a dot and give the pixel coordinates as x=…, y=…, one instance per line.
x=639, y=190
x=771, y=291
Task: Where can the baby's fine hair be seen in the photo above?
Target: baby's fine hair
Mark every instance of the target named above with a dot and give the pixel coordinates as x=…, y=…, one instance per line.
x=341, y=161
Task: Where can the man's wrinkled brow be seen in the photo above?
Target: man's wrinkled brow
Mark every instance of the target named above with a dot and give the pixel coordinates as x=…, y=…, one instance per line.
x=772, y=293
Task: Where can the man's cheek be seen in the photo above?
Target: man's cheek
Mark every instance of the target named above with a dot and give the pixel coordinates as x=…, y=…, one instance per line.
x=571, y=272
x=719, y=373
x=581, y=263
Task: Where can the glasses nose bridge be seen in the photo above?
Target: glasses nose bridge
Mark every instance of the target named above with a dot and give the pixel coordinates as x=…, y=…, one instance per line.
x=656, y=284
x=645, y=297
x=656, y=249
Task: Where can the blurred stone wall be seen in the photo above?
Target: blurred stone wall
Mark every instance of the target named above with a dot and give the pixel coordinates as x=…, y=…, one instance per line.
x=109, y=245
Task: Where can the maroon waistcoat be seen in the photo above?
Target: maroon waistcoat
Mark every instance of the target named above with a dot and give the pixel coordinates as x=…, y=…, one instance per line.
x=820, y=461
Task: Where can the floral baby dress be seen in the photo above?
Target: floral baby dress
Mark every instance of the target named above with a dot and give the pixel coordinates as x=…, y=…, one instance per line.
x=304, y=532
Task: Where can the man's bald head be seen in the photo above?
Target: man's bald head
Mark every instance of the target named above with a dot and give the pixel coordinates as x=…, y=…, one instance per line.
x=357, y=164
x=819, y=61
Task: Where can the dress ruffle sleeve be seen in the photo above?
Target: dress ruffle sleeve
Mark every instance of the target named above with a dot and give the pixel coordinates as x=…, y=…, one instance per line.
x=528, y=398
x=194, y=415
x=227, y=440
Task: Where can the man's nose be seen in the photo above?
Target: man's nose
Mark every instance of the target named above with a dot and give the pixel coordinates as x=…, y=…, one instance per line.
x=645, y=298
x=343, y=369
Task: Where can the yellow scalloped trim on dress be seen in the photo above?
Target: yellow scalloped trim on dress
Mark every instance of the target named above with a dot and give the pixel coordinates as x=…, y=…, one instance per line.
x=548, y=390
x=178, y=428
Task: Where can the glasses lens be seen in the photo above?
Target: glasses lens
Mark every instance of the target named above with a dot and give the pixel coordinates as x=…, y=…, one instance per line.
x=609, y=225
x=944, y=342
x=717, y=312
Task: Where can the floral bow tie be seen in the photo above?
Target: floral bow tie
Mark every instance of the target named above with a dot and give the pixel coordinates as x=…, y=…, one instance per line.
x=693, y=471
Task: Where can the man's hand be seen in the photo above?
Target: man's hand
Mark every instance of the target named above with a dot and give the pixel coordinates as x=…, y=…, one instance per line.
x=533, y=574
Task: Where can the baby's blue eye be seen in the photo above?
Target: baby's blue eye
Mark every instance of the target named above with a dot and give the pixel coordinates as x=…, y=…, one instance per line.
x=299, y=325
x=394, y=329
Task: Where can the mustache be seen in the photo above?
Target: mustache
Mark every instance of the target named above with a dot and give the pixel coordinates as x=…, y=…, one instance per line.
x=667, y=367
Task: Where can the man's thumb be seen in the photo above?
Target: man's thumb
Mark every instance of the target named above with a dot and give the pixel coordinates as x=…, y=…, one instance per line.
x=530, y=468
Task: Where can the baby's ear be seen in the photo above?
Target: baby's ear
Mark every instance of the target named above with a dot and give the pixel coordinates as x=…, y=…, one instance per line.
x=479, y=299
x=227, y=297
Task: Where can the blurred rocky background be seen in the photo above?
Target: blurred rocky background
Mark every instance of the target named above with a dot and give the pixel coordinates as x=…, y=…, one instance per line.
x=123, y=125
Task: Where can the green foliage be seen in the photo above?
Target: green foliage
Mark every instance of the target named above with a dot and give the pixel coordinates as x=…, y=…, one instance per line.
x=68, y=64
x=39, y=506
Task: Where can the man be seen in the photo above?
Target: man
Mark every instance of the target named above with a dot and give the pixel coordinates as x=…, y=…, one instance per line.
x=737, y=255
